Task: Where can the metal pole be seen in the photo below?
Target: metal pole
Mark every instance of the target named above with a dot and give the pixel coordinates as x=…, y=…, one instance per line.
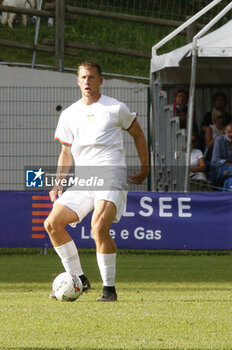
x=152, y=131
x=190, y=113
x=149, y=136
x=37, y=25
x=60, y=19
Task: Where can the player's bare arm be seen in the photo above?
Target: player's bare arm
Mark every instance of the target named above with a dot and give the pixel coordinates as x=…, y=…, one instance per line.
x=65, y=161
x=141, y=145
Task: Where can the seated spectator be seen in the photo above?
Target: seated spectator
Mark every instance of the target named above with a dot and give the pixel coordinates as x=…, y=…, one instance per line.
x=180, y=108
x=197, y=163
x=221, y=164
x=183, y=115
x=181, y=100
x=219, y=102
x=214, y=130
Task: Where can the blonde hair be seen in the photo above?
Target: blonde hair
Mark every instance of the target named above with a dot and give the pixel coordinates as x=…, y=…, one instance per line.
x=90, y=64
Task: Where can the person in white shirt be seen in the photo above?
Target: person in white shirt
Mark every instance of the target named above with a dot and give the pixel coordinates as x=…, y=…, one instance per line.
x=197, y=163
x=213, y=131
x=90, y=132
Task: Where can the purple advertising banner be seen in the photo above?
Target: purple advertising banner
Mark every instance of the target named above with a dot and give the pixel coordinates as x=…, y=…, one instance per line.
x=151, y=221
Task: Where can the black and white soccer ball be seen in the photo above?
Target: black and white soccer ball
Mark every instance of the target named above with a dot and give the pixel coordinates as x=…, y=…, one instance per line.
x=67, y=287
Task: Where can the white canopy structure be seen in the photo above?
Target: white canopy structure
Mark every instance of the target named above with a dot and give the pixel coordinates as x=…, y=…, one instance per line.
x=214, y=65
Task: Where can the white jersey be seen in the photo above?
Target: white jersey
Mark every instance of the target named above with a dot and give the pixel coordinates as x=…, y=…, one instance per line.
x=196, y=154
x=94, y=131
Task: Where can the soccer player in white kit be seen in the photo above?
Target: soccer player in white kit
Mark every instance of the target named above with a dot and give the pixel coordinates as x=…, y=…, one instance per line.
x=90, y=131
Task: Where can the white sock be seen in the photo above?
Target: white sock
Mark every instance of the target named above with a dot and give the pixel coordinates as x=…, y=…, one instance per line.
x=70, y=258
x=107, y=267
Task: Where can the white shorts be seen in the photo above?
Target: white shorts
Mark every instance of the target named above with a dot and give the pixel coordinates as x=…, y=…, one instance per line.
x=82, y=202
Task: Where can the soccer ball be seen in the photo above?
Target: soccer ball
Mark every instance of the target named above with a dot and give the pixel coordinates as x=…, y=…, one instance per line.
x=67, y=287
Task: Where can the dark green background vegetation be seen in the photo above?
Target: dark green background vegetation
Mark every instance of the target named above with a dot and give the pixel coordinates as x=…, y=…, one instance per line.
x=109, y=32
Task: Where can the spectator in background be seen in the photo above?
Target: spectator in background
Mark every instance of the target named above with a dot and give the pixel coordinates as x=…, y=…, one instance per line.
x=197, y=162
x=214, y=130
x=183, y=115
x=180, y=108
x=219, y=101
x=221, y=164
x=181, y=100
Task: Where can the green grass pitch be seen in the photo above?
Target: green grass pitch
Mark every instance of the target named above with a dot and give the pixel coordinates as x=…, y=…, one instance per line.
x=164, y=302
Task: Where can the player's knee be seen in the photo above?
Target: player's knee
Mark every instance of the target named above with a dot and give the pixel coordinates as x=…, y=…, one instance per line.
x=48, y=225
x=99, y=230
x=52, y=225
